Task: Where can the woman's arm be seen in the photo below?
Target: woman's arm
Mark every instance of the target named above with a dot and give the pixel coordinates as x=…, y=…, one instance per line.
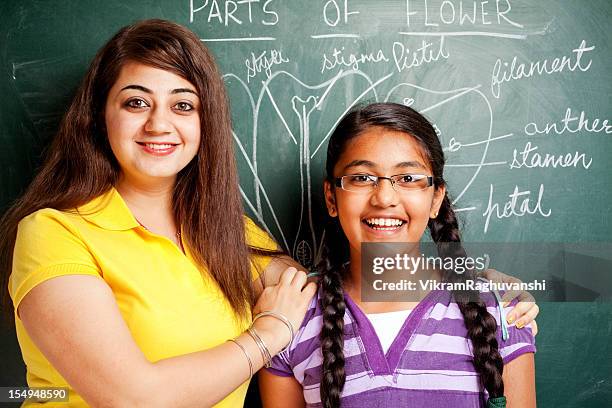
x=280, y=392
x=524, y=313
x=519, y=382
x=75, y=321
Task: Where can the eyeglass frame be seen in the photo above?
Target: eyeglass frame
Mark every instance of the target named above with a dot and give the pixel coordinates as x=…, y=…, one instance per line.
x=339, y=183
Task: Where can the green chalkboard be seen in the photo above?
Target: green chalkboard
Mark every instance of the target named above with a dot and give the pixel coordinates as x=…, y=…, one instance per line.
x=519, y=91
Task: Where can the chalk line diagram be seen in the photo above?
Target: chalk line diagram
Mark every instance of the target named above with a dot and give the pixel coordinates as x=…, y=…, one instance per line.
x=290, y=108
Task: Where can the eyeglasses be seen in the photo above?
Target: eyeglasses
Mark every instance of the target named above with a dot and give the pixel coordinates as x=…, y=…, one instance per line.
x=366, y=183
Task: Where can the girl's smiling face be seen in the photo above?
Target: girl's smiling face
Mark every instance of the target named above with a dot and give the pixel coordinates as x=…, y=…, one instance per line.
x=382, y=152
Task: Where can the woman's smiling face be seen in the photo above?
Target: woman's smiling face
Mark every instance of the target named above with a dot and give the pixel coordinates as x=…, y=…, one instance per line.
x=153, y=122
x=383, y=215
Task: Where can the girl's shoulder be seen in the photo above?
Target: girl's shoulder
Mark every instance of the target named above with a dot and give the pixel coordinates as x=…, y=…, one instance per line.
x=306, y=341
x=312, y=324
x=444, y=306
x=313, y=313
x=314, y=309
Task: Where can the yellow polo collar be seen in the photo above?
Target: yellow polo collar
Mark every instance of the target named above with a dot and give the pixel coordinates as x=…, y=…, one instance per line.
x=109, y=211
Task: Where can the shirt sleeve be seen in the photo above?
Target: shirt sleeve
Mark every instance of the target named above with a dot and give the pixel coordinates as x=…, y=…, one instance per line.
x=519, y=341
x=281, y=365
x=258, y=238
x=305, y=344
x=47, y=246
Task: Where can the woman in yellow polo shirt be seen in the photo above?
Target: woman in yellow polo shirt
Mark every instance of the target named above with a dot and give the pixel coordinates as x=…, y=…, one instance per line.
x=129, y=251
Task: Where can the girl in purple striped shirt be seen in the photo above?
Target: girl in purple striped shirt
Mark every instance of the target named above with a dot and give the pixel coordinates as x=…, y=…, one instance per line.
x=385, y=184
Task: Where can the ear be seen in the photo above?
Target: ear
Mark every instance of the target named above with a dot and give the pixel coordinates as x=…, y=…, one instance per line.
x=330, y=198
x=436, y=202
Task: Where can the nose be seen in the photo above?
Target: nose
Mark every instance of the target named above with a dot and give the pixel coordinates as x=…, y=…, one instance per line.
x=384, y=195
x=158, y=122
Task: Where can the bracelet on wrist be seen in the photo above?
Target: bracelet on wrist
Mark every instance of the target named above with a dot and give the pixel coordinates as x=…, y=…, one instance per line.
x=263, y=349
x=282, y=318
x=246, y=354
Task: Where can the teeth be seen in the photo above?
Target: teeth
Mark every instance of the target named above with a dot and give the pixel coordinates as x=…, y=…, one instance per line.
x=157, y=146
x=385, y=222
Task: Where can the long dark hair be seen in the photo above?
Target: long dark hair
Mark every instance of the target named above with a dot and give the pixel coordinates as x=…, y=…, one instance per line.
x=444, y=229
x=80, y=165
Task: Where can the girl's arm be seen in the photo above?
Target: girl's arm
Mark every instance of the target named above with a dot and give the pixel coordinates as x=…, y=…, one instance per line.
x=519, y=382
x=75, y=321
x=280, y=392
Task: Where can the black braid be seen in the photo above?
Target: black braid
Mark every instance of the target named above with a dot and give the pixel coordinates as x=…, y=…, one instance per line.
x=481, y=326
x=333, y=305
x=334, y=258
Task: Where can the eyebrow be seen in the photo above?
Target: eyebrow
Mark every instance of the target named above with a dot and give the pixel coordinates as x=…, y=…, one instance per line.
x=357, y=163
x=369, y=164
x=147, y=90
x=411, y=163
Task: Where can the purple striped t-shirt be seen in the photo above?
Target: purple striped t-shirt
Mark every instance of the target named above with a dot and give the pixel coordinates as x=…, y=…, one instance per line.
x=429, y=364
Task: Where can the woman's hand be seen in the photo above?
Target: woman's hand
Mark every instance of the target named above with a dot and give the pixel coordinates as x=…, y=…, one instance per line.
x=290, y=298
x=525, y=310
